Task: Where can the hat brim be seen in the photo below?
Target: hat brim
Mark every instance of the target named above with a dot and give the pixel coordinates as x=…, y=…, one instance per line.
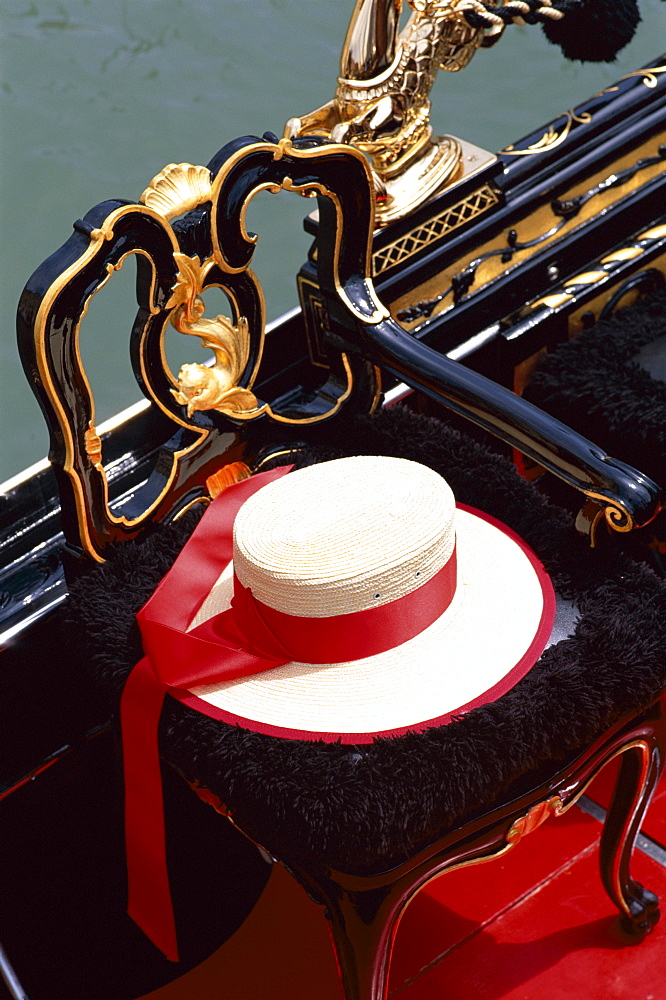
x=487, y=640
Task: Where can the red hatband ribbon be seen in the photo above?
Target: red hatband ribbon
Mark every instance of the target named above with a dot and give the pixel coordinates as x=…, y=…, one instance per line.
x=246, y=639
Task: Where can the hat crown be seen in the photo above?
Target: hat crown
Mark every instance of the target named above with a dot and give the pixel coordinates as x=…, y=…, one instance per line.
x=344, y=536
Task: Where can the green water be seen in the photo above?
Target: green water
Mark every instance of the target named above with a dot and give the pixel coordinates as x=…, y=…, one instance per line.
x=98, y=95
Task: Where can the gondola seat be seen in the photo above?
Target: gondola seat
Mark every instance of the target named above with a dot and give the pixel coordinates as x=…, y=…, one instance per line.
x=362, y=827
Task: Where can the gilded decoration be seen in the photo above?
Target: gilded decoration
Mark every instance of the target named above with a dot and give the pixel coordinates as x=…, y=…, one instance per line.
x=555, y=135
x=93, y=445
x=177, y=189
x=172, y=278
x=560, y=129
x=201, y=387
x=649, y=78
x=429, y=232
x=541, y=229
x=572, y=287
x=649, y=75
x=382, y=105
x=232, y=472
x=537, y=815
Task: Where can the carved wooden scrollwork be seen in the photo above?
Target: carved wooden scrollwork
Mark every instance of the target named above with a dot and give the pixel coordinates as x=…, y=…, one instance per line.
x=188, y=235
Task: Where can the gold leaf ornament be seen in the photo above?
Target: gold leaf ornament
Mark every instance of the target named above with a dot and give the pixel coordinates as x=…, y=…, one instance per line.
x=189, y=283
x=201, y=387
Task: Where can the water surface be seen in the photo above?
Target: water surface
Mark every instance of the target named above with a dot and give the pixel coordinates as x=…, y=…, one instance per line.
x=98, y=95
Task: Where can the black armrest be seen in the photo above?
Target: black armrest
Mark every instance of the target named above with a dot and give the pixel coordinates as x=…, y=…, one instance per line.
x=626, y=497
x=357, y=319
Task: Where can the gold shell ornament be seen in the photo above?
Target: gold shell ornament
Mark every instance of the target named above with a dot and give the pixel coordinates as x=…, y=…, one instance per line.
x=177, y=189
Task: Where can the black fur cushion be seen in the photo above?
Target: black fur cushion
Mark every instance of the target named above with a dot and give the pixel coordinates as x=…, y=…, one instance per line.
x=602, y=385
x=596, y=385
x=365, y=808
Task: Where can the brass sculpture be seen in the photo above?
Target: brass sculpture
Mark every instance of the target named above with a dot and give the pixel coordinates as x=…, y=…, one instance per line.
x=382, y=104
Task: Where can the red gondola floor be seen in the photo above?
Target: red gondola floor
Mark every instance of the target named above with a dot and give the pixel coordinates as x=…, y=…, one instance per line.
x=533, y=925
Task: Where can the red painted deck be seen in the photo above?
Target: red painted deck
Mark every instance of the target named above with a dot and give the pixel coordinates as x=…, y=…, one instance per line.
x=535, y=925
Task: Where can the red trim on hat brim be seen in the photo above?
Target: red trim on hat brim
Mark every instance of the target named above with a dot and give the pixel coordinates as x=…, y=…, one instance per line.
x=509, y=680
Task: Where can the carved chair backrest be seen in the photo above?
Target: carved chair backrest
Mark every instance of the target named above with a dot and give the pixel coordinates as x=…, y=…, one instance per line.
x=188, y=234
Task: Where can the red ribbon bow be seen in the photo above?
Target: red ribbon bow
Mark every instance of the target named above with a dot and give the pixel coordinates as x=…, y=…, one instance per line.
x=246, y=639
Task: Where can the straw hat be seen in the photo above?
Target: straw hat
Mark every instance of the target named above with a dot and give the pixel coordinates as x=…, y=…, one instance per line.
x=447, y=607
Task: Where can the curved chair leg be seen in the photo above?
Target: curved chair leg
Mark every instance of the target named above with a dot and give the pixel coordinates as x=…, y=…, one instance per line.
x=363, y=924
x=639, y=772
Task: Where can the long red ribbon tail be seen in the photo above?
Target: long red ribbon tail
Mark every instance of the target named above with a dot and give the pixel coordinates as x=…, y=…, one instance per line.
x=149, y=902
x=175, y=600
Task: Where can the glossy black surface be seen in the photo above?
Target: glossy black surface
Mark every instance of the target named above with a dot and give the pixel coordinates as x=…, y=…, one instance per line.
x=62, y=882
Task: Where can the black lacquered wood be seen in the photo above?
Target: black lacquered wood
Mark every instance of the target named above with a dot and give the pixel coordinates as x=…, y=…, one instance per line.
x=625, y=127
x=590, y=139
x=609, y=113
x=642, y=763
x=344, y=197
x=308, y=165
x=630, y=497
x=633, y=499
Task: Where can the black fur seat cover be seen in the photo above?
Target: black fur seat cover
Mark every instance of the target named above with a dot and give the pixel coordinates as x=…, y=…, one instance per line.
x=602, y=385
x=366, y=808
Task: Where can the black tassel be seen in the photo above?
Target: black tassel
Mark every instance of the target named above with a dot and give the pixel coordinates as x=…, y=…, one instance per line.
x=593, y=30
